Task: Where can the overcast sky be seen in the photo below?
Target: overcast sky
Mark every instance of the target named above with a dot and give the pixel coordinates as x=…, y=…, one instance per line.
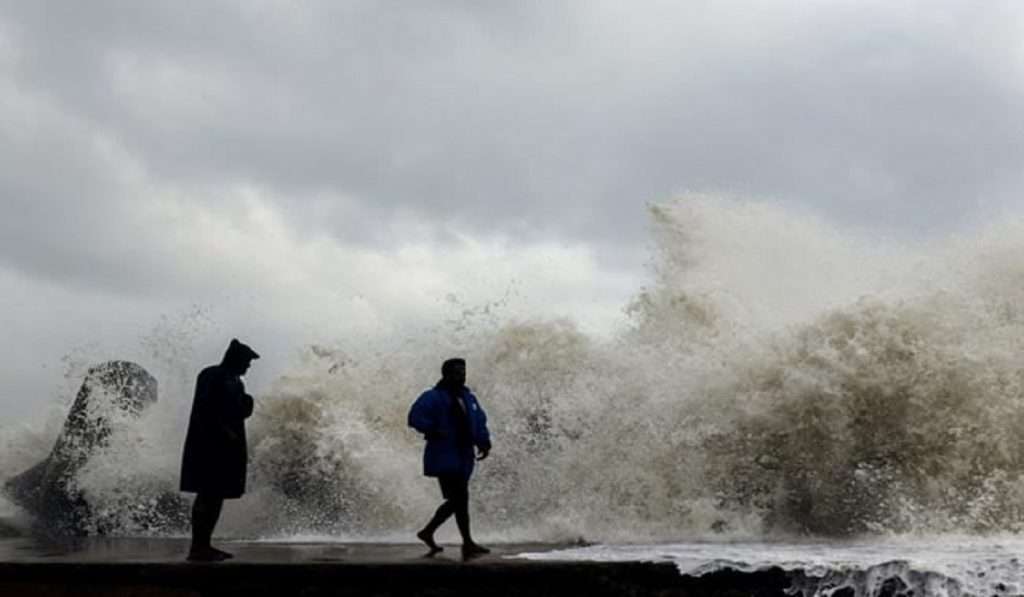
x=175, y=173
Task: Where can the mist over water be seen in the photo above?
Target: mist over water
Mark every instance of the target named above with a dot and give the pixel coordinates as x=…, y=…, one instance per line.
x=777, y=377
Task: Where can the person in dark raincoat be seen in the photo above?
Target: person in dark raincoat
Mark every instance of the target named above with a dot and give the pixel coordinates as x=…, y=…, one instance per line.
x=453, y=423
x=216, y=456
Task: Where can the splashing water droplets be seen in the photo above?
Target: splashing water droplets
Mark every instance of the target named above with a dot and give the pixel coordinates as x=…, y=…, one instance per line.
x=776, y=376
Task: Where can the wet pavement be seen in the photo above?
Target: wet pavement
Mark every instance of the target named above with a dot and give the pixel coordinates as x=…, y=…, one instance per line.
x=29, y=550
x=157, y=567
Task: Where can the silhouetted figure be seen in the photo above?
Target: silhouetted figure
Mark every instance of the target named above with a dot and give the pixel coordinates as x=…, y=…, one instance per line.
x=453, y=423
x=215, y=458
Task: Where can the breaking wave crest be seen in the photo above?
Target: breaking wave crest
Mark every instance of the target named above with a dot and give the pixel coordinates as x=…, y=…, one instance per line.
x=776, y=377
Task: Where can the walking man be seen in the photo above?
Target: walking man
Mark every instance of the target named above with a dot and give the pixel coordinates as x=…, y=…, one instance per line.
x=453, y=423
x=214, y=462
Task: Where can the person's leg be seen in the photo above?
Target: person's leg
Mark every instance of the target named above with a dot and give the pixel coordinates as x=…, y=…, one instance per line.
x=444, y=511
x=205, y=513
x=460, y=501
x=200, y=538
x=200, y=533
x=215, y=507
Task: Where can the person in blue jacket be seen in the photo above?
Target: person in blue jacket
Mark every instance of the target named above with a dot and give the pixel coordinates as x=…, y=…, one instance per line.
x=453, y=423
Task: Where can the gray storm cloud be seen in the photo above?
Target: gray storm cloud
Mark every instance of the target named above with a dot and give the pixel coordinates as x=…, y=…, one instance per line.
x=148, y=148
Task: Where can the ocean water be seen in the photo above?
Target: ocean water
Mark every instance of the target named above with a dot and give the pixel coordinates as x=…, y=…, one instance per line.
x=778, y=385
x=945, y=566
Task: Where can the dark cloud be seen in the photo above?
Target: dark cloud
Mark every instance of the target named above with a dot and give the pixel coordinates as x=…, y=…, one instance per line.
x=526, y=120
x=263, y=157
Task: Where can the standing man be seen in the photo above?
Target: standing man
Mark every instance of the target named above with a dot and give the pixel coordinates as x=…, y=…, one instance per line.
x=215, y=459
x=451, y=420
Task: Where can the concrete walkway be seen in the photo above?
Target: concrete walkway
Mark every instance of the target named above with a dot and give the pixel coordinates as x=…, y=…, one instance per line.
x=156, y=567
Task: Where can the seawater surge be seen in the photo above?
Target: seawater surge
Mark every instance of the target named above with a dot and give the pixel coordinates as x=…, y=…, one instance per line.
x=776, y=378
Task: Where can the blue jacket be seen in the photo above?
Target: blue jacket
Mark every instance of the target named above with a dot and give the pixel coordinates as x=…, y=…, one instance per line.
x=432, y=415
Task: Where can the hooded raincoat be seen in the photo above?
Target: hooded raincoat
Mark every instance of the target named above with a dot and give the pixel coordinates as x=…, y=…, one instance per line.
x=216, y=455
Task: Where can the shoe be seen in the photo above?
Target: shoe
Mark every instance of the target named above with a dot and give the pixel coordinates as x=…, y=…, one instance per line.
x=473, y=550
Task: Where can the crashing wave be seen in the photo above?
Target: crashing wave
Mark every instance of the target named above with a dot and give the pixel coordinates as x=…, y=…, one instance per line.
x=775, y=377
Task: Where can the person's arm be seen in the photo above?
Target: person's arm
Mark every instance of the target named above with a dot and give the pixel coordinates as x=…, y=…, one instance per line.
x=423, y=416
x=235, y=406
x=482, y=435
x=246, y=403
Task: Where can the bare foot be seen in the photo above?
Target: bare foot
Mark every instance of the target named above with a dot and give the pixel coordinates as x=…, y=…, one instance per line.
x=223, y=554
x=428, y=538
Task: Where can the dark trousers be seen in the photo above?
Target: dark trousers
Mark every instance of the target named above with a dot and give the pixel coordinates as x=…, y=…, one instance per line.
x=455, y=491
